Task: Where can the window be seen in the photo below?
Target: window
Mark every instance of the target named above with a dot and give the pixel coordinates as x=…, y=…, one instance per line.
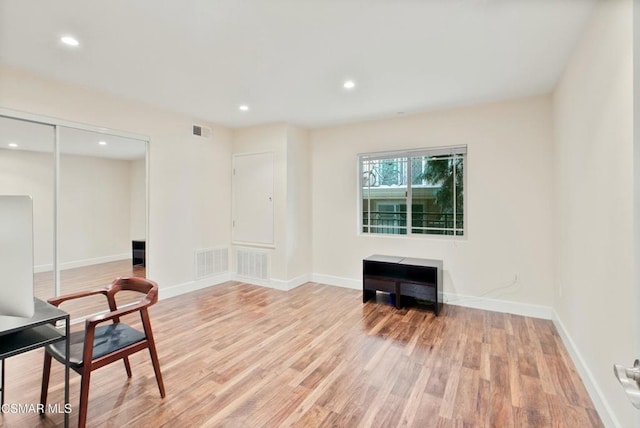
x=415, y=192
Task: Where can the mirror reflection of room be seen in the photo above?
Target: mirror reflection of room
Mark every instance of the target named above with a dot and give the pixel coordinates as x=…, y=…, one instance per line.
x=101, y=212
x=101, y=203
x=27, y=167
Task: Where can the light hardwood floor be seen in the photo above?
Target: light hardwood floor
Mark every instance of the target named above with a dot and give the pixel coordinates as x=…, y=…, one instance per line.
x=84, y=279
x=238, y=355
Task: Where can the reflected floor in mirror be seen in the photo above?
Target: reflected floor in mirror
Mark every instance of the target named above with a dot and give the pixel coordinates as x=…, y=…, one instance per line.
x=239, y=355
x=88, y=278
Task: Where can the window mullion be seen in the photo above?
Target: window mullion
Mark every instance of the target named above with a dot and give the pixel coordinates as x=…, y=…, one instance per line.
x=409, y=197
x=369, y=206
x=455, y=202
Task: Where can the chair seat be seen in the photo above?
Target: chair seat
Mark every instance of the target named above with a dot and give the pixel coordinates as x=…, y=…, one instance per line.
x=108, y=338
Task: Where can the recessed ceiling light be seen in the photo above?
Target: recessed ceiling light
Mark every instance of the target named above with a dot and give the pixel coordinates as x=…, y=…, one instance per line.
x=244, y=107
x=349, y=84
x=14, y=145
x=70, y=41
x=102, y=143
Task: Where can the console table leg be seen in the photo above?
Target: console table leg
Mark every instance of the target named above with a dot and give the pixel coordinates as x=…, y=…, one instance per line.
x=368, y=295
x=66, y=369
x=2, y=388
x=398, y=296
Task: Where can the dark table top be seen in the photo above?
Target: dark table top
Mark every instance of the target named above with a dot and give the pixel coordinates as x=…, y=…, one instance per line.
x=384, y=259
x=411, y=261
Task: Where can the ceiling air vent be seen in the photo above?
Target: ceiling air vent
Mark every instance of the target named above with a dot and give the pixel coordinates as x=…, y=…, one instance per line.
x=201, y=131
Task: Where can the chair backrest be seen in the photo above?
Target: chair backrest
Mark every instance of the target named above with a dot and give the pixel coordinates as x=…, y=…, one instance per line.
x=141, y=285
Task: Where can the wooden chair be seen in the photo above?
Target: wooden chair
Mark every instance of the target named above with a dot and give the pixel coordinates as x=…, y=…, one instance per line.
x=99, y=345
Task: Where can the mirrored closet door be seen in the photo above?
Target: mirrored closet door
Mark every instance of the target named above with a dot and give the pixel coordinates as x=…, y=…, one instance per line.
x=89, y=190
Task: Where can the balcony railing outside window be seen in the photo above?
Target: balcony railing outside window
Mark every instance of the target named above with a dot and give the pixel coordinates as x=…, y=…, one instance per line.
x=395, y=223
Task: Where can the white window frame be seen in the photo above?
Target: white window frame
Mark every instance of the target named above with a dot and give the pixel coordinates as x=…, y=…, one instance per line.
x=436, y=151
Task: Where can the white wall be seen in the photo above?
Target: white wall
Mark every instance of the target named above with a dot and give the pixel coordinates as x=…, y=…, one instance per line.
x=189, y=176
x=636, y=167
x=299, y=203
x=508, y=198
x=596, y=298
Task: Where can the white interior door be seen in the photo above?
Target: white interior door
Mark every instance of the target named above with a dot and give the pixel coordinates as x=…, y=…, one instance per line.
x=253, y=202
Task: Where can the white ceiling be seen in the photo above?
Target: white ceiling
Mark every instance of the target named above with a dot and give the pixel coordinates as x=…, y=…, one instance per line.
x=287, y=59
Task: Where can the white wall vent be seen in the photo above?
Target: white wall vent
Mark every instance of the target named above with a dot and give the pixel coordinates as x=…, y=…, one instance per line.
x=201, y=131
x=211, y=261
x=252, y=264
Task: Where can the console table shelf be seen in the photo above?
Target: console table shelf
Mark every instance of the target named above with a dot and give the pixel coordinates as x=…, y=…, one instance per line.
x=403, y=276
x=27, y=340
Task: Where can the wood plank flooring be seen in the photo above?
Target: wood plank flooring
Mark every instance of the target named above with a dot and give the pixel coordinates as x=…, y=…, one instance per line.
x=238, y=355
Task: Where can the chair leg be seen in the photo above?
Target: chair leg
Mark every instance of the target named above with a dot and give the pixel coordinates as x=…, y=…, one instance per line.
x=127, y=366
x=156, y=367
x=84, y=396
x=46, y=372
x=151, y=344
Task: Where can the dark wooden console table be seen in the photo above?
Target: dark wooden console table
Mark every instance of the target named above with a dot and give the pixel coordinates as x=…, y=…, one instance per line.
x=403, y=276
x=18, y=335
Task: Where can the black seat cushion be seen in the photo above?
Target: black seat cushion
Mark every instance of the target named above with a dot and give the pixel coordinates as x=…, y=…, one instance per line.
x=108, y=338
